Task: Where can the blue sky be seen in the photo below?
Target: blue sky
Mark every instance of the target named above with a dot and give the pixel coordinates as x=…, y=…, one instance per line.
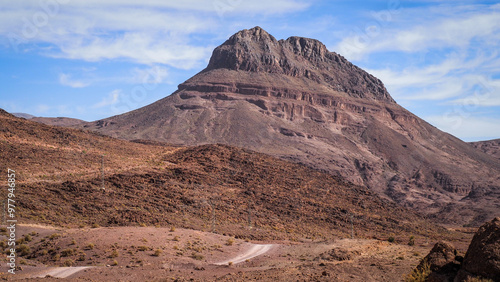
x=91, y=59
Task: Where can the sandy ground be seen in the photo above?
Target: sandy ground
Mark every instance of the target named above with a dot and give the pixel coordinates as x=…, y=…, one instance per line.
x=175, y=254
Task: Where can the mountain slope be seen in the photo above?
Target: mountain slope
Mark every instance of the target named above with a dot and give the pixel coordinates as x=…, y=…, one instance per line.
x=58, y=180
x=296, y=100
x=490, y=147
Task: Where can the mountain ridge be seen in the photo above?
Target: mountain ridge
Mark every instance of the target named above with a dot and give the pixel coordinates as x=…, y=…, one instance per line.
x=269, y=96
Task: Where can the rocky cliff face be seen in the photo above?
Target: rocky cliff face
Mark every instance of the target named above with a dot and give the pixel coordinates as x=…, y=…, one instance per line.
x=255, y=50
x=296, y=100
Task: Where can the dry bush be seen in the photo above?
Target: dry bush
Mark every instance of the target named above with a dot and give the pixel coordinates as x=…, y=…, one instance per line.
x=419, y=274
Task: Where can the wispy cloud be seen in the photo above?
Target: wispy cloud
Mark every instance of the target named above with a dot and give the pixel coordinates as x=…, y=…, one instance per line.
x=153, y=75
x=66, y=80
x=154, y=32
x=109, y=100
x=458, y=27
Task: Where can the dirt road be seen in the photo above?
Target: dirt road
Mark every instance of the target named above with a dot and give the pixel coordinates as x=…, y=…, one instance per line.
x=59, y=272
x=254, y=251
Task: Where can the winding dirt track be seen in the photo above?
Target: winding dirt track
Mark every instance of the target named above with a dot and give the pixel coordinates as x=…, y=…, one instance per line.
x=59, y=272
x=254, y=251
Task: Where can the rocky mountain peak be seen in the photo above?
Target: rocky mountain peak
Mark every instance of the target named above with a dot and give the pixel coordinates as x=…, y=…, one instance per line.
x=255, y=50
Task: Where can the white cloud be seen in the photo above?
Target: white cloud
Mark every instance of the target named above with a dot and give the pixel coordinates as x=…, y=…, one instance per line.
x=111, y=99
x=153, y=75
x=454, y=30
x=486, y=93
x=152, y=32
x=455, y=76
x=65, y=79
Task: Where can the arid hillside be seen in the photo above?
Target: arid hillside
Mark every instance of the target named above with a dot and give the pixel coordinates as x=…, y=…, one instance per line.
x=296, y=100
x=211, y=187
x=490, y=147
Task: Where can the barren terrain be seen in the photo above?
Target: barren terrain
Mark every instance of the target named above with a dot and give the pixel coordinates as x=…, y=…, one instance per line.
x=164, y=253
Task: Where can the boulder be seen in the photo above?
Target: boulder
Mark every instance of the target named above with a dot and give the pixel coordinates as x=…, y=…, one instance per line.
x=483, y=256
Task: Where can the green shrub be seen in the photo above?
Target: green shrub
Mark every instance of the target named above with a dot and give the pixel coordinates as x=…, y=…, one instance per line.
x=391, y=239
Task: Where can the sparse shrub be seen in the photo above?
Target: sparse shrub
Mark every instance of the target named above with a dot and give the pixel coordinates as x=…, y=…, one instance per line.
x=419, y=274
x=3, y=229
x=175, y=247
x=197, y=256
x=176, y=238
x=114, y=254
x=54, y=236
x=230, y=263
x=3, y=244
x=230, y=241
x=95, y=225
x=23, y=250
x=56, y=257
x=28, y=238
x=411, y=242
x=73, y=242
x=89, y=246
x=115, y=262
x=142, y=248
x=67, y=252
x=391, y=239
x=157, y=252
x=81, y=257
x=22, y=261
x=143, y=225
x=68, y=262
x=172, y=229
x=19, y=241
x=44, y=252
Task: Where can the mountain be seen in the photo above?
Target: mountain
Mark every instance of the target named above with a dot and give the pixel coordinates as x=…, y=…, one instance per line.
x=23, y=115
x=490, y=147
x=59, y=179
x=58, y=121
x=298, y=101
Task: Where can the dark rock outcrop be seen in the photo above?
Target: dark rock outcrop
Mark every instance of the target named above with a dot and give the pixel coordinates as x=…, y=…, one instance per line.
x=483, y=256
x=443, y=262
x=481, y=261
